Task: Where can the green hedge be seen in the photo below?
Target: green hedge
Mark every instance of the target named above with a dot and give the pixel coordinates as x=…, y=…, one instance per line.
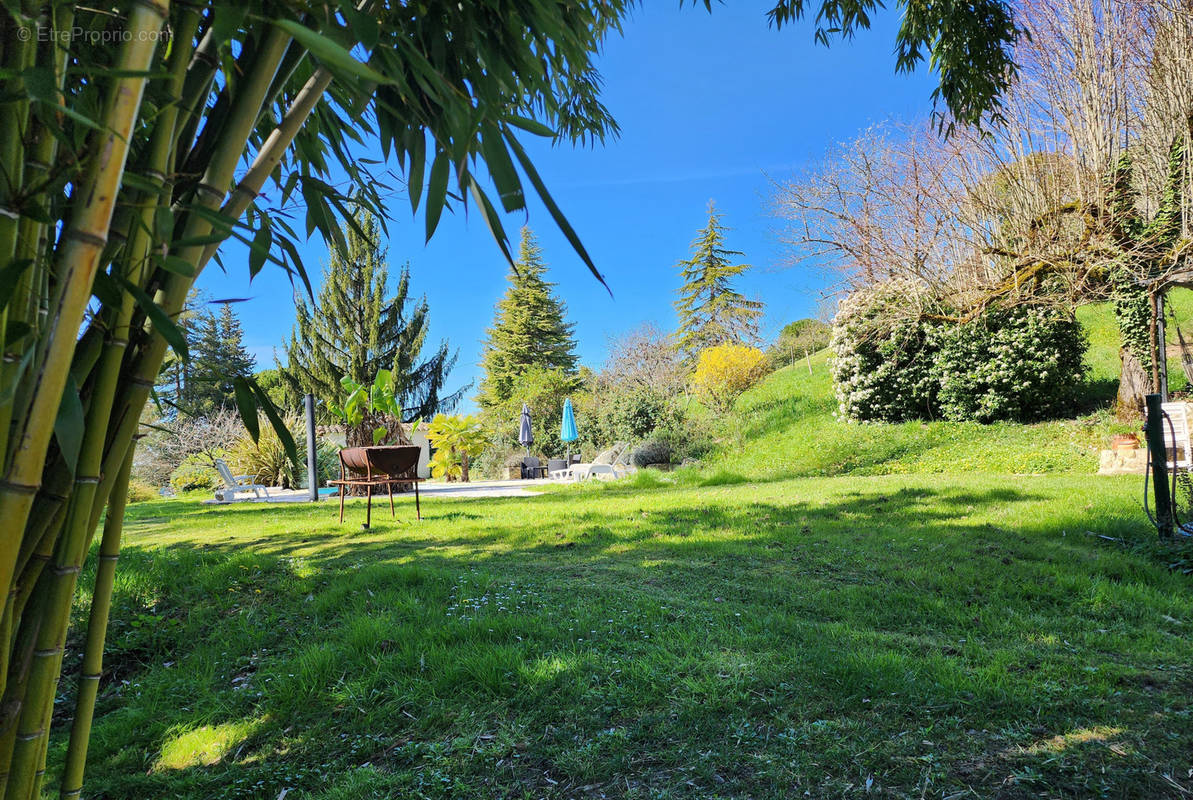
x=893, y=363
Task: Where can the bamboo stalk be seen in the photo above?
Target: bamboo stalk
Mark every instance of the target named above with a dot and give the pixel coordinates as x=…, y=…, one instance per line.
x=19, y=55
x=97, y=627
x=78, y=259
x=209, y=194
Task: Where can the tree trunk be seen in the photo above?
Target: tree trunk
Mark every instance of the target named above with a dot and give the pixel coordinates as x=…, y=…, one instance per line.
x=1133, y=385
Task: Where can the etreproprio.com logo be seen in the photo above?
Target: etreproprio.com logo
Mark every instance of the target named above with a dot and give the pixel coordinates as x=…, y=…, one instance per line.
x=79, y=35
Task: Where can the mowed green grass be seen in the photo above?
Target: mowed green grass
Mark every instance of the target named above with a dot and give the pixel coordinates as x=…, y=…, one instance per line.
x=891, y=636
x=786, y=426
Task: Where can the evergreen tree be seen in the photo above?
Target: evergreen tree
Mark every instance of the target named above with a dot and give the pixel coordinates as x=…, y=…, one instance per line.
x=358, y=327
x=202, y=384
x=173, y=382
x=711, y=312
x=529, y=329
x=217, y=357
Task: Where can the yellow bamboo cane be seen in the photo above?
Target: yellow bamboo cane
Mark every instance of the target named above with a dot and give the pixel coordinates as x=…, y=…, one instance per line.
x=97, y=626
x=77, y=262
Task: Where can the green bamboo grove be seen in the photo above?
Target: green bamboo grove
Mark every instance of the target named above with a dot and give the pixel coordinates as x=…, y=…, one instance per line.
x=137, y=137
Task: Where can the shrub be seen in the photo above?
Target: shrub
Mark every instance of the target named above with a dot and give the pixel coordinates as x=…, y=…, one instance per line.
x=725, y=371
x=1022, y=364
x=195, y=472
x=266, y=460
x=625, y=414
x=140, y=491
x=883, y=364
x=892, y=364
x=652, y=452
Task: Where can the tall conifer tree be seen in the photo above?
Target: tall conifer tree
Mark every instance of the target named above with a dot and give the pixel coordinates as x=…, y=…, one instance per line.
x=218, y=356
x=358, y=327
x=202, y=384
x=530, y=328
x=711, y=311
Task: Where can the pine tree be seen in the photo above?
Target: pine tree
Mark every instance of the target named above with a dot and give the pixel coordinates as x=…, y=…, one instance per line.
x=173, y=382
x=217, y=357
x=711, y=312
x=529, y=329
x=358, y=327
x=202, y=384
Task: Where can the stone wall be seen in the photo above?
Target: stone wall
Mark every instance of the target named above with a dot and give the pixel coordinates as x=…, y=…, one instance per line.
x=1123, y=461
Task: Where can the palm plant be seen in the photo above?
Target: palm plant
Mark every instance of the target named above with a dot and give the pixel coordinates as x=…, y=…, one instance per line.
x=459, y=438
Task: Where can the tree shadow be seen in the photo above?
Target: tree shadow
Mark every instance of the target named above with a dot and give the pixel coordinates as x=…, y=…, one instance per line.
x=686, y=640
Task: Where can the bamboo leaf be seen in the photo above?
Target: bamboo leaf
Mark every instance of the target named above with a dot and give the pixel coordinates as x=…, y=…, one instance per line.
x=106, y=289
x=176, y=264
x=330, y=53
x=489, y=214
x=364, y=26
x=501, y=168
x=247, y=407
x=530, y=125
x=259, y=250
x=161, y=321
x=553, y=208
x=275, y=419
x=69, y=424
x=163, y=223
x=437, y=192
x=418, y=165
x=228, y=19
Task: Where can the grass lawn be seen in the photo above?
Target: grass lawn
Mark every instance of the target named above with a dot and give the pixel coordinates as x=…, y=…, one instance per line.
x=901, y=636
x=785, y=427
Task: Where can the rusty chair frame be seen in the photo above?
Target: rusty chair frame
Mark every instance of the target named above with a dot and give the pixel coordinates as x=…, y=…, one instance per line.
x=375, y=467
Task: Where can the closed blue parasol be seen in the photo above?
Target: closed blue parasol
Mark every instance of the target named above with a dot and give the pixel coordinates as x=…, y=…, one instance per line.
x=568, y=432
x=525, y=433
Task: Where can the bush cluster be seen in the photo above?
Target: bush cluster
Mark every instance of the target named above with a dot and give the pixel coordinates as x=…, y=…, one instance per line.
x=655, y=451
x=196, y=472
x=883, y=363
x=1022, y=364
x=725, y=371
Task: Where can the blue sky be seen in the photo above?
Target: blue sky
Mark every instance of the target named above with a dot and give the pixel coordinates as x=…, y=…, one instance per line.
x=711, y=107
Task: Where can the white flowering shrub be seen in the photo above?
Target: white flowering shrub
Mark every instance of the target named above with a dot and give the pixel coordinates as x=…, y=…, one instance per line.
x=891, y=364
x=882, y=358
x=1022, y=364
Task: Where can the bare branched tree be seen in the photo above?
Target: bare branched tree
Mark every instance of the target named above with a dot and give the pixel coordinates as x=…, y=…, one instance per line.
x=1068, y=199
x=644, y=358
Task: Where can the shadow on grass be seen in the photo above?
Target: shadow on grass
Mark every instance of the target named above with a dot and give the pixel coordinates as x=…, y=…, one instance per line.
x=682, y=643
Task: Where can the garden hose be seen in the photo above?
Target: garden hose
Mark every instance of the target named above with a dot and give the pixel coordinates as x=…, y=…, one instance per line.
x=1181, y=528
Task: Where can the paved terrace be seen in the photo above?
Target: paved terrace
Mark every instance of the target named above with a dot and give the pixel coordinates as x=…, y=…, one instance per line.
x=430, y=489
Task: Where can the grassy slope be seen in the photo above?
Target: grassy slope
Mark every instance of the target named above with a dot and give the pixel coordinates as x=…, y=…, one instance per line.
x=787, y=425
x=915, y=635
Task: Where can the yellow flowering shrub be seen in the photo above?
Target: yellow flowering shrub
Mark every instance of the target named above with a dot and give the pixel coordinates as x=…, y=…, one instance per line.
x=725, y=371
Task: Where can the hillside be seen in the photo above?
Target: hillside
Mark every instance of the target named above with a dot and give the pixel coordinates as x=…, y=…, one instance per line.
x=786, y=425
